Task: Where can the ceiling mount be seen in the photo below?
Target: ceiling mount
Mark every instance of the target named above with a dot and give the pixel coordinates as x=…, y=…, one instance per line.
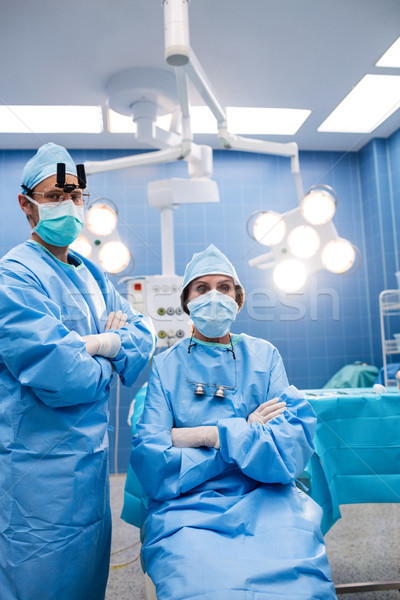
x=143, y=87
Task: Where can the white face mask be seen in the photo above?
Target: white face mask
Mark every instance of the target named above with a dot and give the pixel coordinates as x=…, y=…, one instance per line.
x=213, y=313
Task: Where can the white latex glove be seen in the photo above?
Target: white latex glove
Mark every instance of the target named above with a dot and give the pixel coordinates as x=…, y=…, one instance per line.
x=266, y=411
x=195, y=437
x=103, y=344
x=116, y=320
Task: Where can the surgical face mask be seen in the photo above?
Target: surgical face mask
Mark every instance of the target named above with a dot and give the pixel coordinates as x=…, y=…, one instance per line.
x=213, y=313
x=60, y=223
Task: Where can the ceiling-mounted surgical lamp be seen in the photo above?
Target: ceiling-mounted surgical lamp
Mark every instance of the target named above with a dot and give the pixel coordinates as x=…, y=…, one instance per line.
x=100, y=239
x=290, y=275
x=114, y=256
x=338, y=256
x=102, y=217
x=304, y=241
x=268, y=228
x=319, y=204
x=302, y=250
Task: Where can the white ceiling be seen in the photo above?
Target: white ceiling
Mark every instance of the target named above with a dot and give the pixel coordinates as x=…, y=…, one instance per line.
x=273, y=53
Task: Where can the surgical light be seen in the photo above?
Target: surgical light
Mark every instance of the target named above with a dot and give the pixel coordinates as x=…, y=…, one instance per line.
x=303, y=241
x=303, y=251
x=269, y=228
x=318, y=205
x=114, y=257
x=101, y=218
x=338, y=256
x=289, y=275
x=82, y=246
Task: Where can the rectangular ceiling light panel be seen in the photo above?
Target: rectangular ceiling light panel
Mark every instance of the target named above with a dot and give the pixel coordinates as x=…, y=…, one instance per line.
x=51, y=119
x=265, y=121
x=391, y=58
x=250, y=121
x=368, y=104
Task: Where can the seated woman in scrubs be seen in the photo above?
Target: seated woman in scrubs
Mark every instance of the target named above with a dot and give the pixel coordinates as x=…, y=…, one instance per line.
x=221, y=441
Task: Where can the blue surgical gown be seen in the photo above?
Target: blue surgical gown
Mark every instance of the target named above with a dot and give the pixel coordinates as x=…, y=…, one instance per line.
x=228, y=524
x=55, y=524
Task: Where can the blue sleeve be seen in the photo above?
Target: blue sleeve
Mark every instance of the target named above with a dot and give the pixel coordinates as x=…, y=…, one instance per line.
x=40, y=352
x=164, y=471
x=278, y=380
x=276, y=452
x=137, y=338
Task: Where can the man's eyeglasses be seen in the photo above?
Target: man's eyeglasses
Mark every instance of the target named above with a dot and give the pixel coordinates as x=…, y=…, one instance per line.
x=57, y=196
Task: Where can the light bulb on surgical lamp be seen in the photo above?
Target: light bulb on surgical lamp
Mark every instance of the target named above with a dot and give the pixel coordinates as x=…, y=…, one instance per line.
x=114, y=257
x=303, y=241
x=289, y=275
x=82, y=246
x=101, y=218
x=338, y=256
x=318, y=205
x=269, y=228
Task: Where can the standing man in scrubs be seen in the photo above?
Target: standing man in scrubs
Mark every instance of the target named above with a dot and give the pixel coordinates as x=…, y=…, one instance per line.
x=64, y=330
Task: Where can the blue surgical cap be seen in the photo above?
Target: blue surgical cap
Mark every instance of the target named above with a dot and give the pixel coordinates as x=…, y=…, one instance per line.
x=209, y=262
x=44, y=164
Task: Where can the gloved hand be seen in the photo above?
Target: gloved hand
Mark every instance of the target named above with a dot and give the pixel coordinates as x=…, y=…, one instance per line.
x=116, y=320
x=195, y=437
x=107, y=344
x=103, y=344
x=266, y=411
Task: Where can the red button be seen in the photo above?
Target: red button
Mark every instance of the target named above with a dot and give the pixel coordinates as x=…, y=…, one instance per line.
x=137, y=286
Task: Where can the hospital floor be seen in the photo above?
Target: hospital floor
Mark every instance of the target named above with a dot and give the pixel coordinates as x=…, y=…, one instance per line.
x=364, y=545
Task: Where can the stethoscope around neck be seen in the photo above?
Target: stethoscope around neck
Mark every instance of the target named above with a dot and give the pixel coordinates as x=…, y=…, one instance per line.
x=199, y=390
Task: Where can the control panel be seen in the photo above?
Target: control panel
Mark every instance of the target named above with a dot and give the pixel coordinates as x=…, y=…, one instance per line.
x=158, y=297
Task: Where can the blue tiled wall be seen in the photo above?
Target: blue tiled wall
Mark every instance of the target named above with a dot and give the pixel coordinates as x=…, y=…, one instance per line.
x=333, y=322
x=379, y=181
